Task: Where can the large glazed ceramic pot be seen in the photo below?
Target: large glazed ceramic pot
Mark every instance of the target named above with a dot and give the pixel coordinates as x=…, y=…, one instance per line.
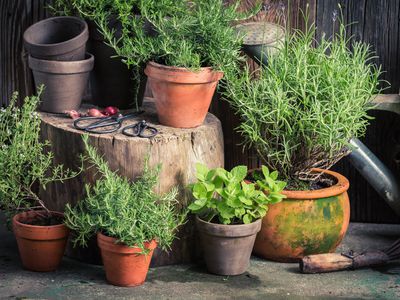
x=306, y=222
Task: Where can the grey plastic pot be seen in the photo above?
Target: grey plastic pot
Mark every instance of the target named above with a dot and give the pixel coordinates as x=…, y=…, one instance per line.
x=65, y=82
x=57, y=38
x=227, y=248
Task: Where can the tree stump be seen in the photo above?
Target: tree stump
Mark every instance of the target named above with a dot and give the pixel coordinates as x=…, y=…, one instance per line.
x=177, y=149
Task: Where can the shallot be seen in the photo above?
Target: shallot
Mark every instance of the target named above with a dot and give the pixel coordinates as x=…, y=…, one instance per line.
x=94, y=112
x=73, y=114
x=110, y=111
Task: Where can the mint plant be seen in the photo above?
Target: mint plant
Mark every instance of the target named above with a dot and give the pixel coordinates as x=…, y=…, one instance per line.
x=225, y=197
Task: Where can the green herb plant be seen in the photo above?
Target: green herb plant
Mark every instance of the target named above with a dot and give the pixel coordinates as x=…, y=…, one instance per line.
x=131, y=212
x=26, y=164
x=225, y=197
x=300, y=111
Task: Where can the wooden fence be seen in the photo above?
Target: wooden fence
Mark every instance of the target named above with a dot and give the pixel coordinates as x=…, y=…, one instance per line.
x=372, y=21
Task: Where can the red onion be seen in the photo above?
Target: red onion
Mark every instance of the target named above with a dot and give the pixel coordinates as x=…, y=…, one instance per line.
x=73, y=114
x=110, y=111
x=94, y=112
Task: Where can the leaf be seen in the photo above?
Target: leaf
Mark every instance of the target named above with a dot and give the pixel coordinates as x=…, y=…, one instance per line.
x=201, y=171
x=273, y=175
x=199, y=191
x=247, y=219
x=245, y=200
x=239, y=172
x=265, y=171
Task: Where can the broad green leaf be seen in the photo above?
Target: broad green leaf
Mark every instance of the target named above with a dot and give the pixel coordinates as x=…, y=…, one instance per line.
x=201, y=171
x=199, y=191
x=265, y=171
x=247, y=219
x=239, y=172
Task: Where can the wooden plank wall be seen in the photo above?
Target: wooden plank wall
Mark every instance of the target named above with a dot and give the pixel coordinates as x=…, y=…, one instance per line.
x=376, y=23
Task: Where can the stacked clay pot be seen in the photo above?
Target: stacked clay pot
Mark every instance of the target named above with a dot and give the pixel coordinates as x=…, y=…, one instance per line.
x=59, y=61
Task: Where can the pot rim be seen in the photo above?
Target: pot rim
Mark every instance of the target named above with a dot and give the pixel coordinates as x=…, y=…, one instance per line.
x=182, y=75
x=340, y=187
x=84, y=34
x=62, y=67
x=223, y=230
x=19, y=215
x=247, y=24
x=121, y=247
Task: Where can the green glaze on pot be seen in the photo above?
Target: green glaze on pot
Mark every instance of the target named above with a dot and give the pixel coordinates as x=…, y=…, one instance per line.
x=298, y=227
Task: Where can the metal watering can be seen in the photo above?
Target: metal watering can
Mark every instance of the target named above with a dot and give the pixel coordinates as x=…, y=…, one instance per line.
x=261, y=40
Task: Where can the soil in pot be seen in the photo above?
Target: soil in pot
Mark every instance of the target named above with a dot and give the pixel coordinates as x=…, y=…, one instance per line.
x=227, y=248
x=65, y=82
x=41, y=247
x=124, y=266
x=306, y=222
x=57, y=38
x=182, y=97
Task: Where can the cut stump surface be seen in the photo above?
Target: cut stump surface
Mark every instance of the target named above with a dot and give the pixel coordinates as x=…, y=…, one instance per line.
x=177, y=149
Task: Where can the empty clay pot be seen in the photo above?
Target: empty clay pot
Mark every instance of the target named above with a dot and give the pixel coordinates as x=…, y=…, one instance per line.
x=65, y=82
x=57, y=38
x=227, y=248
x=182, y=97
x=41, y=248
x=124, y=266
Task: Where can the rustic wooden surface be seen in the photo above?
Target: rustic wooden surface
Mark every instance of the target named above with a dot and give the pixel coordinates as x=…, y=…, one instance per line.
x=177, y=149
x=375, y=22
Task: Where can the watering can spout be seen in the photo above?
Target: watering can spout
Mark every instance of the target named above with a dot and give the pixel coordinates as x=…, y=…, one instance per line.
x=376, y=173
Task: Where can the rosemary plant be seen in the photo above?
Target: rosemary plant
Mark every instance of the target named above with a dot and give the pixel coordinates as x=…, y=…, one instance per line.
x=131, y=212
x=302, y=109
x=25, y=163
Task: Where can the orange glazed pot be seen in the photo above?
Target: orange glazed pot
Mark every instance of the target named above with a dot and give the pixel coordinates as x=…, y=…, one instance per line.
x=41, y=248
x=182, y=97
x=306, y=222
x=124, y=266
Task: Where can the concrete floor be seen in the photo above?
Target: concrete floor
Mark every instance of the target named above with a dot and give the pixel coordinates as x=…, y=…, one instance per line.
x=263, y=280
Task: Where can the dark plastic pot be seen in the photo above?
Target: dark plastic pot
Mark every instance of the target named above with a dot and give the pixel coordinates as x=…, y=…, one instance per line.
x=111, y=82
x=227, y=248
x=65, y=82
x=57, y=38
x=124, y=266
x=41, y=248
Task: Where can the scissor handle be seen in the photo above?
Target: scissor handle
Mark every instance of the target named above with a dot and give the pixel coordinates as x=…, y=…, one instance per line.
x=101, y=122
x=139, y=129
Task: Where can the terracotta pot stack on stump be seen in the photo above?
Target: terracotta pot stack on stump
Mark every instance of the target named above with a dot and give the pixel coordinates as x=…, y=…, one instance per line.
x=58, y=59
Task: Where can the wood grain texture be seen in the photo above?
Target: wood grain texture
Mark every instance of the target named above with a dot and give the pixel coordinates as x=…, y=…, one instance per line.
x=15, y=17
x=177, y=149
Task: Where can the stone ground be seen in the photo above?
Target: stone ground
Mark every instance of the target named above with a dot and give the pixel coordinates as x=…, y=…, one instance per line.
x=264, y=279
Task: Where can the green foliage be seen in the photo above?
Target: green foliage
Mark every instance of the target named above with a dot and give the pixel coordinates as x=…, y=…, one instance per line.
x=225, y=195
x=25, y=162
x=185, y=33
x=301, y=110
x=131, y=212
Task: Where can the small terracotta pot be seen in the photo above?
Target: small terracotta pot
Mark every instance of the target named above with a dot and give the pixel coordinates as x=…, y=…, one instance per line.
x=306, y=222
x=41, y=248
x=57, y=38
x=124, y=266
x=227, y=248
x=65, y=82
x=182, y=97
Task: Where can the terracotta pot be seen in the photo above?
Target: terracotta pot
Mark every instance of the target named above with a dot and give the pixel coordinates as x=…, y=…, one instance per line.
x=41, y=248
x=57, y=38
x=182, y=97
x=111, y=82
x=306, y=222
x=227, y=248
x=65, y=82
x=124, y=266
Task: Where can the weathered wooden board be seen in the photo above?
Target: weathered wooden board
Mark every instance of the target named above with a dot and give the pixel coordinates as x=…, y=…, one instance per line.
x=177, y=149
